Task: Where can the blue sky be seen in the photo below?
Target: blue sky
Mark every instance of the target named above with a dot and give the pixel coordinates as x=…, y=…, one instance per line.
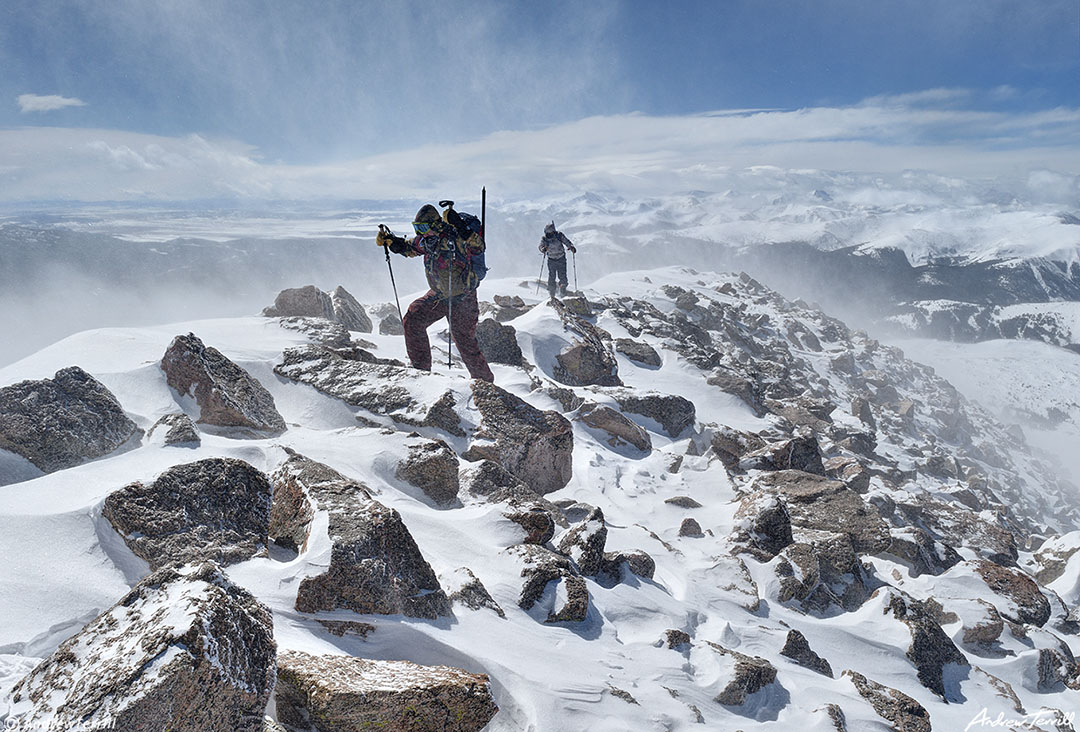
x=296, y=84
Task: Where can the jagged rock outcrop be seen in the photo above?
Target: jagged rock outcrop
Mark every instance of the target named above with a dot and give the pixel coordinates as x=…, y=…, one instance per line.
x=931, y=650
x=306, y=302
x=637, y=562
x=62, y=422
x=960, y=526
x=432, y=467
x=673, y=413
x=798, y=650
x=587, y=360
x=1019, y=597
x=620, y=429
x=465, y=588
x=822, y=572
x=507, y=307
x=638, y=352
x=817, y=503
x=348, y=693
x=533, y=445
x=498, y=342
x=184, y=649
x=801, y=452
x=584, y=543
x=176, y=429
x=746, y=675
x=763, y=524
x=541, y=566
x=215, y=509
x=904, y=713
x=731, y=445
x=294, y=483
x=381, y=388
x=375, y=564
x=348, y=311
x=536, y=521
x=226, y=394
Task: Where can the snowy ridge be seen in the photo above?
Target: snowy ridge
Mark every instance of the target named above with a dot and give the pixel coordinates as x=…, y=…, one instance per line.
x=913, y=461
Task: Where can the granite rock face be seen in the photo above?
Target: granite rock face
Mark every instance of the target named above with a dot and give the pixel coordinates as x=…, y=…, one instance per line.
x=375, y=564
x=348, y=693
x=184, y=649
x=304, y=302
x=432, y=467
x=226, y=394
x=62, y=422
x=539, y=567
x=215, y=509
x=498, y=342
x=176, y=429
x=534, y=445
x=348, y=311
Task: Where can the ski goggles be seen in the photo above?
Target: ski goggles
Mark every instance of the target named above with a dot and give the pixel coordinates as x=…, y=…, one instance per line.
x=421, y=227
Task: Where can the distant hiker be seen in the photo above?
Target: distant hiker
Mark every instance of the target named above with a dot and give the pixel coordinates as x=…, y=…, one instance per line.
x=554, y=245
x=453, y=255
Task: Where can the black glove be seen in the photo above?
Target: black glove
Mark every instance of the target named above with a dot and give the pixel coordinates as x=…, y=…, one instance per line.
x=397, y=245
x=455, y=220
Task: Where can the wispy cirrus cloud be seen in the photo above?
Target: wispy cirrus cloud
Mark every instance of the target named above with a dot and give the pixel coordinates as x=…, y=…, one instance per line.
x=46, y=102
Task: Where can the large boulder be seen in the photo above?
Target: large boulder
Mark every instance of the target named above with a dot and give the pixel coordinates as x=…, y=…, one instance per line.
x=619, y=429
x=638, y=352
x=498, y=342
x=185, y=649
x=348, y=311
x=584, y=543
x=814, y=502
x=904, y=713
x=800, y=452
x=432, y=467
x=673, y=413
x=226, y=394
x=587, y=360
x=534, y=445
x=931, y=650
x=821, y=571
x=381, y=388
x=745, y=675
x=176, y=429
x=214, y=509
x=306, y=302
x=539, y=567
x=338, y=693
x=62, y=422
x=1018, y=597
x=375, y=564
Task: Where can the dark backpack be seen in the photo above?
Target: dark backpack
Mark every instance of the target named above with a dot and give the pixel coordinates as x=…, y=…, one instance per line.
x=471, y=231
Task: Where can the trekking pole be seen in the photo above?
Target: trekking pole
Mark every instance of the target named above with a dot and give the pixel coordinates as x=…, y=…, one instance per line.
x=450, y=318
x=574, y=253
x=543, y=260
x=384, y=227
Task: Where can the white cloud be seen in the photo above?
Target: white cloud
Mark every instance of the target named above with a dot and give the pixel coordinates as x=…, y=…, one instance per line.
x=46, y=103
x=636, y=155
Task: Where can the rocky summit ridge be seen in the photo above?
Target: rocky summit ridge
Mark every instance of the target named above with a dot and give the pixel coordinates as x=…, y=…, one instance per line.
x=685, y=501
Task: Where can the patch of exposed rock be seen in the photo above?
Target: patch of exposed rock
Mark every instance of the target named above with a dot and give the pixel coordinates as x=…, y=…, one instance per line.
x=215, y=509
x=931, y=650
x=226, y=394
x=348, y=693
x=801, y=452
x=815, y=502
x=465, y=588
x=305, y=302
x=620, y=429
x=62, y=422
x=584, y=543
x=638, y=352
x=534, y=445
x=749, y=674
x=960, y=526
x=498, y=342
x=1025, y=601
x=587, y=360
x=673, y=413
x=381, y=388
x=798, y=650
x=348, y=311
x=904, y=713
x=296, y=482
x=184, y=649
x=821, y=571
x=432, y=467
x=375, y=564
x=176, y=429
x=541, y=566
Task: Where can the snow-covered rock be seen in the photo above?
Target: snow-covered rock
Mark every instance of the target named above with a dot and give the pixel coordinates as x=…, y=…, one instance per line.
x=185, y=649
